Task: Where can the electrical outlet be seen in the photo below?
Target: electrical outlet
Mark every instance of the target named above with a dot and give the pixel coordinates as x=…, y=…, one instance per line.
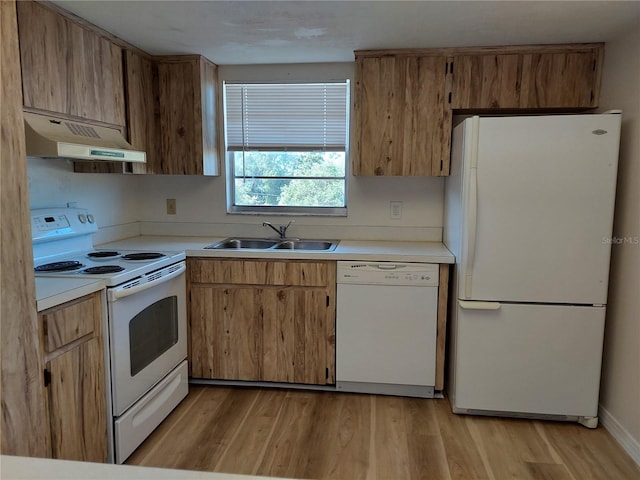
x=395, y=210
x=171, y=206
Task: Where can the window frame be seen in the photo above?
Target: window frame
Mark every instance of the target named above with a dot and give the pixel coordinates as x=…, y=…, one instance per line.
x=231, y=177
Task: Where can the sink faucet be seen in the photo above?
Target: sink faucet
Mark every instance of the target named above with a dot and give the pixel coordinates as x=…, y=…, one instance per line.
x=281, y=230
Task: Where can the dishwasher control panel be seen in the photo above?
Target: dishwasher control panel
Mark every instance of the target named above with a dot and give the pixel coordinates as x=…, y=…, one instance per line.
x=388, y=273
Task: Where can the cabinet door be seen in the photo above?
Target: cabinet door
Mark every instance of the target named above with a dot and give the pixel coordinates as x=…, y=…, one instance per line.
x=142, y=110
x=563, y=79
x=276, y=334
x=486, y=81
x=180, y=118
x=71, y=340
x=69, y=69
x=77, y=405
x=402, y=116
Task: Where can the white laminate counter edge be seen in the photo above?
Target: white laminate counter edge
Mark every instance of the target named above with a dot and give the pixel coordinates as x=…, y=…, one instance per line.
x=349, y=250
x=24, y=468
x=51, y=292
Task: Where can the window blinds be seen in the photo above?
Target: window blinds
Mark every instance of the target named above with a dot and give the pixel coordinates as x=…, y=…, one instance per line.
x=286, y=117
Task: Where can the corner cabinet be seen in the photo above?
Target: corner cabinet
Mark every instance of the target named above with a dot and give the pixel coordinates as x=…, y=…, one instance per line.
x=67, y=68
x=258, y=320
x=402, y=116
x=73, y=350
x=172, y=113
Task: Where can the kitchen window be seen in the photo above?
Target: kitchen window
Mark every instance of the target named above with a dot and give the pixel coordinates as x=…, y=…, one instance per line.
x=286, y=147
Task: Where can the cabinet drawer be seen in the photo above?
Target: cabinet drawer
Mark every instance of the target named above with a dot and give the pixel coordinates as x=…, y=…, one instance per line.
x=65, y=324
x=262, y=272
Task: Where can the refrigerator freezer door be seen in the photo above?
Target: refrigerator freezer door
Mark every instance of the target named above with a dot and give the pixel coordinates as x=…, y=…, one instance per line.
x=542, y=202
x=535, y=359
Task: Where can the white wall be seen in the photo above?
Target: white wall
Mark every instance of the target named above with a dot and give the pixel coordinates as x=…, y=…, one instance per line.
x=201, y=202
x=112, y=198
x=620, y=395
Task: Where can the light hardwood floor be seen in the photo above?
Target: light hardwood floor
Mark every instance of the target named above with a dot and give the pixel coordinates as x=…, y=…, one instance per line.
x=303, y=434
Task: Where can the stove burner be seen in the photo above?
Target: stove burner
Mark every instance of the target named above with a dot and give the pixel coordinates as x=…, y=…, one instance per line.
x=103, y=269
x=106, y=254
x=59, y=266
x=143, y=256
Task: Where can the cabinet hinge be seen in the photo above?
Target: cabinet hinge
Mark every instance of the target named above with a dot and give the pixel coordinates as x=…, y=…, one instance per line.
x=47, y=377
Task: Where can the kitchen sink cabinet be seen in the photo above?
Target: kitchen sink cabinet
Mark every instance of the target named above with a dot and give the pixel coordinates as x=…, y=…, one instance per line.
x=402, y=117
x=73, y=355
x=259, y=320
x=549, y=77
x=68, y=68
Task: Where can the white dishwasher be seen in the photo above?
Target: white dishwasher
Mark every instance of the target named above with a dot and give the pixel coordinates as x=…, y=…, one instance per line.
x=386, y=326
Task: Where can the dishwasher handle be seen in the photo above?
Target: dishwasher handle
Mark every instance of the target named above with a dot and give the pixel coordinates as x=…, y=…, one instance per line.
x=388, y=266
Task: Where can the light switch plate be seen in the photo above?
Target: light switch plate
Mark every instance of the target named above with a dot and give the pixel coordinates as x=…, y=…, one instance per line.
x=171, y=206
x=395, y=212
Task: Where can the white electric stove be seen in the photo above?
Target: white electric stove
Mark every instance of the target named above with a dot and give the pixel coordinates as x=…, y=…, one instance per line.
x=146, y=338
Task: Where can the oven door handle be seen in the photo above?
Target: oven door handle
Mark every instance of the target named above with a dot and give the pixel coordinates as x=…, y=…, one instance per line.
x=124, y=291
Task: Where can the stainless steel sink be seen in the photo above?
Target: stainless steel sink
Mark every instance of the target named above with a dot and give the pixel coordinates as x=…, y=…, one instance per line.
x=242, y=243
x=234, y=243
x=306, y=245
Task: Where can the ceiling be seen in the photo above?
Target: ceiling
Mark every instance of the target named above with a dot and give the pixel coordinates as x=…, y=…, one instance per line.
x=267, y=32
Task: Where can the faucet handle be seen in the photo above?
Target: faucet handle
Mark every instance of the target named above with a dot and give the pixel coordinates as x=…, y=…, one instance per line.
x=283, y=229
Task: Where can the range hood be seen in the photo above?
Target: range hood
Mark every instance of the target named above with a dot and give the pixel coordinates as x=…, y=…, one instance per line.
x=61, y=138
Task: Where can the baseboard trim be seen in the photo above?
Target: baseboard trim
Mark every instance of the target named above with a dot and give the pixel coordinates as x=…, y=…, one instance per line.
x=620, y=434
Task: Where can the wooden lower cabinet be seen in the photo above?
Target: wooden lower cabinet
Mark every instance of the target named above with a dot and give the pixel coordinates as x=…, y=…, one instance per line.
x=72, y=344
x=268, y=321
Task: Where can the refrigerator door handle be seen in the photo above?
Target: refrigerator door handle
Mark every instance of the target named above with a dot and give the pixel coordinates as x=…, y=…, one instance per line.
x=467, y=305
x=472, y=208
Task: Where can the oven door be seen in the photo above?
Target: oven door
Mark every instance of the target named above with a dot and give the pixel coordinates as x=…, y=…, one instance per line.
x=148, y=332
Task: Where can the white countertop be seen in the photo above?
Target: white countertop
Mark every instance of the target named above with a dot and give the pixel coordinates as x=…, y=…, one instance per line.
x=23, y=468
x=55, y=291
x=360, y=250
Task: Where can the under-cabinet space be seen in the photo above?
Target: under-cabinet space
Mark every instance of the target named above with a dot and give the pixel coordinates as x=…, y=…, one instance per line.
x=257, y=320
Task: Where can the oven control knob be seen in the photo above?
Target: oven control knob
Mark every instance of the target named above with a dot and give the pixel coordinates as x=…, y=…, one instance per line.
x=82, y=217
x=90, y=218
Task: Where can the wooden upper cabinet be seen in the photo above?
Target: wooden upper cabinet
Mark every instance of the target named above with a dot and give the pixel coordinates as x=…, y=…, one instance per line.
x=143, y=116
x=486, y=81
x=67, y=68
x=171, y=115
x=187, y=116
x=561, y=79
x=402, y=116
x=544, y=77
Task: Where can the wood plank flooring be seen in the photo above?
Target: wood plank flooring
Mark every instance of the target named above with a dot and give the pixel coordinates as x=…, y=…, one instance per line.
x=302, y=434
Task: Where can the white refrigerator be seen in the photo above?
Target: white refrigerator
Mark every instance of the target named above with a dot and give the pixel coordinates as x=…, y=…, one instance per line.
x=529, y=215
